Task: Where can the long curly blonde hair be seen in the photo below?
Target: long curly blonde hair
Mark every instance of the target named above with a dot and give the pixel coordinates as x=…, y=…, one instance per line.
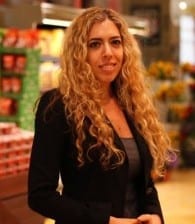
x=82, y=93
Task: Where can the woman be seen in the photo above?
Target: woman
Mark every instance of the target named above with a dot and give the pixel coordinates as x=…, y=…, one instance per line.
x=99, y=130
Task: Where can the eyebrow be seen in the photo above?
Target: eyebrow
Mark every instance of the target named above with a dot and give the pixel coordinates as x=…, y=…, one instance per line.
x=99, y=38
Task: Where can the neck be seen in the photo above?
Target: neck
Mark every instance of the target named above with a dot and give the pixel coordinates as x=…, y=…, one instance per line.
x=107, y=96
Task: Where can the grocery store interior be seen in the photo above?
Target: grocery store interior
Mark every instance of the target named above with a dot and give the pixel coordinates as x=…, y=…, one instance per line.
x=31, y=33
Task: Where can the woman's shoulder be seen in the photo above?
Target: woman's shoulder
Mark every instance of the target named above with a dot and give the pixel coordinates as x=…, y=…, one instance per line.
x=50, y=111
x=50, y=101
x=50, y=95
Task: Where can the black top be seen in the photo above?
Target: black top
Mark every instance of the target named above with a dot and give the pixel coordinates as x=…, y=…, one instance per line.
x=131, y=209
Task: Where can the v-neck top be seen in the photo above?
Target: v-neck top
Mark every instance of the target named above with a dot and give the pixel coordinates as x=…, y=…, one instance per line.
x=131, y=208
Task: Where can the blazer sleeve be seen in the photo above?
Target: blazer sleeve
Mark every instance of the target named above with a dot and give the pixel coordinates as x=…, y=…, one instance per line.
x=152, y=203
x=43, y=177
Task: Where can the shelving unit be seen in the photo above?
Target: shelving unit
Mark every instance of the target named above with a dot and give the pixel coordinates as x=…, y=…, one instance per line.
x=22, y=96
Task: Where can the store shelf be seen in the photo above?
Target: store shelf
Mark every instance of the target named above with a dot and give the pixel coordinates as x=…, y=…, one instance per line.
x=21, y=65
x=11, y=73
x=50, y=58
x=11, y=95
x=8, y=118
x=11, y=50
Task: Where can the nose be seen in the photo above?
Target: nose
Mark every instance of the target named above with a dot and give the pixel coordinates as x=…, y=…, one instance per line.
x=107, y=50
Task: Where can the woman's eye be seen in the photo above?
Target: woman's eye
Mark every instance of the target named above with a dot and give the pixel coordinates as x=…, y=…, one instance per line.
x=94, y=44
x=116, y=42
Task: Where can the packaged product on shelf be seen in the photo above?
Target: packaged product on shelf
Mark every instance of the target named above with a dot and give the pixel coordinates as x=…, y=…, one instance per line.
x=6, y=84
x=7, y=128
x=16, y=84
x=48, y=75
x=20, y=63
x=25, y=38
x=10, y=84
x=13, y=63
x=15, y=147
x=50, y=42
x=9, y=38
x=8, y=106
x=8, y=62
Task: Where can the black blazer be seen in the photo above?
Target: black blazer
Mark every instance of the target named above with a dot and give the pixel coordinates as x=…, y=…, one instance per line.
x=90, y=195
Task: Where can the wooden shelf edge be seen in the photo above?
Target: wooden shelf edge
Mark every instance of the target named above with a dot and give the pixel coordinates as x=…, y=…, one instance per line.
x=11, y=186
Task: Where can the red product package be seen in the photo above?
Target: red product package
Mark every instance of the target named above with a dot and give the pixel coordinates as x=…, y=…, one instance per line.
x=27, y=38
x=6, y=85
x=10, y=37
x=8, y=61
x=20, y=63
x=7, y=106
x=16, y=84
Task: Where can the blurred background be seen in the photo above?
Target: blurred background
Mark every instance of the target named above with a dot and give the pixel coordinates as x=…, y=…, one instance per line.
x=31, y=33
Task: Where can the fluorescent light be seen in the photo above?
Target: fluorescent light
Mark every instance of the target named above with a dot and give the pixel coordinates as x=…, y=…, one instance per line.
x=56, y=22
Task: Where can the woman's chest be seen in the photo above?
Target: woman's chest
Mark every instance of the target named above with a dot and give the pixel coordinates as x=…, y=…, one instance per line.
x=117, y=120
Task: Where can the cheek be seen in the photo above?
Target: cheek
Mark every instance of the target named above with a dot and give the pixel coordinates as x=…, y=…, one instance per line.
x=88, y=58
x=121, y=55
x=92, y=58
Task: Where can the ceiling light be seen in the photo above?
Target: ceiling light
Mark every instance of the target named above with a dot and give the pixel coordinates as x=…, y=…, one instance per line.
x=183, y=5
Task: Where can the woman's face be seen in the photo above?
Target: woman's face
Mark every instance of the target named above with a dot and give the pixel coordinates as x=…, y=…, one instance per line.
x=105, y=51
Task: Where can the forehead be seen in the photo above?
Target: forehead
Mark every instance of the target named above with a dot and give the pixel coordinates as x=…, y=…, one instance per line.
x=104, y=28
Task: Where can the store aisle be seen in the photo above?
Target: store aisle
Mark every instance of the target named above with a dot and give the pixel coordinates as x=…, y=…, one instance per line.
x=177, y=196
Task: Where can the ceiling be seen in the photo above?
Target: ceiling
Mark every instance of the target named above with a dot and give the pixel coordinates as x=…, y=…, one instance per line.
x=176, y=12
x=25, y=15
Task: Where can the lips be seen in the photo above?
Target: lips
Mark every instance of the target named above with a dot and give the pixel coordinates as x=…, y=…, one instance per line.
x=108, y=67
